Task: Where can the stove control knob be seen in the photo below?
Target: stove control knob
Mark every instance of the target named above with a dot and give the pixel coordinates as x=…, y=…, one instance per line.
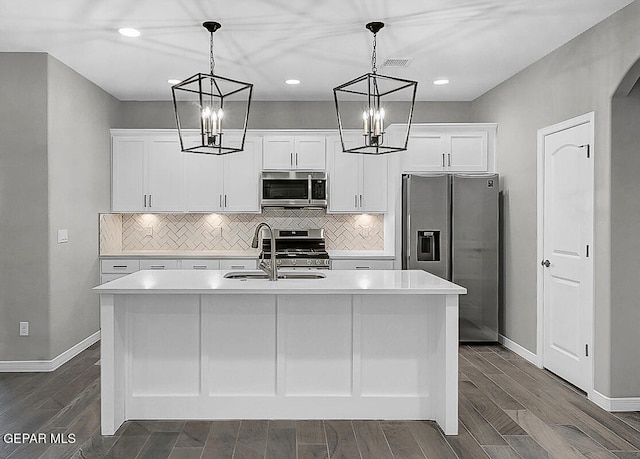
x=278, y=262
x=308, y=262
x=317, y=262
x=293, y=262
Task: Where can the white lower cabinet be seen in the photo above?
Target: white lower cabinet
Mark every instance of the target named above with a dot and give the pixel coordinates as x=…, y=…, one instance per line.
x=111, y=269
x=194, y=263
x=362, y=264
x=236, y=264
x=148, y=263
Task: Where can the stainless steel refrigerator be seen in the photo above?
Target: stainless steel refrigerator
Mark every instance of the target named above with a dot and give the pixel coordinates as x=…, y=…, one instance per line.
x=450, y=229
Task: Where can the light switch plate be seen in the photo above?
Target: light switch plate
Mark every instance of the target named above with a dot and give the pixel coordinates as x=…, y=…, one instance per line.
x=63, y=236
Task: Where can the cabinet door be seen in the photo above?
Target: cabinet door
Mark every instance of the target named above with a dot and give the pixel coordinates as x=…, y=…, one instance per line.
x=373, y=196
x=127, y=174
x=344, y=178
x=309, y=153
x=467, y=151
x=425, y=152
x=278, y=152
x=204, y=182
x=242, y=178
x=166, y=176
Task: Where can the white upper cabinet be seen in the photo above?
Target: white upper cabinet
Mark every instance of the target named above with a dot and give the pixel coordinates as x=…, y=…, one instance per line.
x=357, y=182
x=450, y=148
x=147, y=174
x=151, y=174
x=285, y=152
x=225, y=183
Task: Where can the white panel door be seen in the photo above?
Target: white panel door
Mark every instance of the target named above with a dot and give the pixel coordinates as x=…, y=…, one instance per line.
x=166, y=176
x=204, y=186
x=309, y=153
x=128, y=187
x=425, y=152
x=344, y=178
x=567, y=266
x=242, y=178
x=278, y=152
x=467, y=151
x=374, y=183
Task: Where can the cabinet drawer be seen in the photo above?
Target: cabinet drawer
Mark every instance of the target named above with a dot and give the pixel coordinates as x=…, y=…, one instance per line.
x=361, y=264
x=158, y=264
x=200, y=264
x=238, y=264
x=109, y=277
x=119, y=266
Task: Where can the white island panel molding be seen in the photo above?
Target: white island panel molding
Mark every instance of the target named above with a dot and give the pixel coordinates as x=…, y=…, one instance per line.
x=353, y=345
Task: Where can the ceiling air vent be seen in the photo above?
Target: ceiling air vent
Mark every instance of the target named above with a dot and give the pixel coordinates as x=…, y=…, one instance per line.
x=395, y=62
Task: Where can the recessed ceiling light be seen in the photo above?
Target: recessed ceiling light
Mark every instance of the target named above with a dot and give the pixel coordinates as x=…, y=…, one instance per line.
x=292, y=81
x=441, y=82
x=173, y=81
x=129, y=32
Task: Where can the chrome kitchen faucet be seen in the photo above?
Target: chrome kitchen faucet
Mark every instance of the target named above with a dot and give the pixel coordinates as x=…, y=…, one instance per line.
x=271, y=270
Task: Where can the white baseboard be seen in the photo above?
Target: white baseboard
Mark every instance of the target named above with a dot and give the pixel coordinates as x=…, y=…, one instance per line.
x=521, y=351
x=615, y=403
x=21, y=366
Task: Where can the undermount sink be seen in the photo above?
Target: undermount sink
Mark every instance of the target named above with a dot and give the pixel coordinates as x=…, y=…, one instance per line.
x=244, y=275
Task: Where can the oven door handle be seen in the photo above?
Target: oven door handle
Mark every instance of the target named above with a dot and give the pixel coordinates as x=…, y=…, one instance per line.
x=309, y=187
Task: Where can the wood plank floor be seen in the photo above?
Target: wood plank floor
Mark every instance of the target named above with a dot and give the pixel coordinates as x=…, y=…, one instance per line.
x=508, y=409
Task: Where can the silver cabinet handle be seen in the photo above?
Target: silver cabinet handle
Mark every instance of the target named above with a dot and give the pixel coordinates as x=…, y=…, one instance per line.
x=149, y=201
x=360, y=200
x=238, y=267
x=291, y=159
x=225, y=200
x=449, y=159
x=363, y=267
x=119, y=266
x=157, y=266
x=220, y=200
x=145, y=200
x=199, y=266
x=442, y=159
x=296, y=159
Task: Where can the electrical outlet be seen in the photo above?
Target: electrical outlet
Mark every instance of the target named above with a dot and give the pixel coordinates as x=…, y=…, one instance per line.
x=24, y=328
x=148, y=231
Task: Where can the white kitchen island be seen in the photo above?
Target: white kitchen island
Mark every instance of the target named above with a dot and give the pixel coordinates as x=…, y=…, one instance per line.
x=354, y=345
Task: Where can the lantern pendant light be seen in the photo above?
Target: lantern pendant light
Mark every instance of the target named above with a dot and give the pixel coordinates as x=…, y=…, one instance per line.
x=213, y=104
x=373, y=92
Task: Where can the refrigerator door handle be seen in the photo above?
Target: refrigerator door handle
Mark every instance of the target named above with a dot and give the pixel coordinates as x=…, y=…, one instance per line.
x=408, y=236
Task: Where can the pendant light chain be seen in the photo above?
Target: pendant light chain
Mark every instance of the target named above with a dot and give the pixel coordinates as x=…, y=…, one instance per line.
x=212, y=62
x=373, y=55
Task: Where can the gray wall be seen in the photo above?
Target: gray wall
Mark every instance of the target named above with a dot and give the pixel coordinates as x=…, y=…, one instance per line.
x=579, y=77
x=625, y=242
x=54, y=173
x=79, y=171
x=24, y=243
x=287, y=115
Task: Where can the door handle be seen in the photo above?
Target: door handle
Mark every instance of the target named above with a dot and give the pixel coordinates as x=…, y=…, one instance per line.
x=546, y=263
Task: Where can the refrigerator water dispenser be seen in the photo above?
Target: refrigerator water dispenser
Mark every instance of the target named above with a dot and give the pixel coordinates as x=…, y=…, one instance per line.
x=428, y=245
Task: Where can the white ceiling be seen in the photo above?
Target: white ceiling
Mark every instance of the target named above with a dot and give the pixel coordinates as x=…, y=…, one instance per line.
x=476, y=44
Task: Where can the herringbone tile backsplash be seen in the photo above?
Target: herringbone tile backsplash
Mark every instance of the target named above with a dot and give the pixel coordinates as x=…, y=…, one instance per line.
x=195, y=232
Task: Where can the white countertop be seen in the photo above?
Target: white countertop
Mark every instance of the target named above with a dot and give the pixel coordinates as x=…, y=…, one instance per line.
x=184, y=254
x=416, y=282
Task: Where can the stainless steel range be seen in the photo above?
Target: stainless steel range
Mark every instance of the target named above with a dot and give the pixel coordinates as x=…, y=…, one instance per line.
x=304, y=248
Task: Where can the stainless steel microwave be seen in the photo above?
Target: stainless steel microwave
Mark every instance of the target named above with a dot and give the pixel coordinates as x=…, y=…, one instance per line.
x=294, y=189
